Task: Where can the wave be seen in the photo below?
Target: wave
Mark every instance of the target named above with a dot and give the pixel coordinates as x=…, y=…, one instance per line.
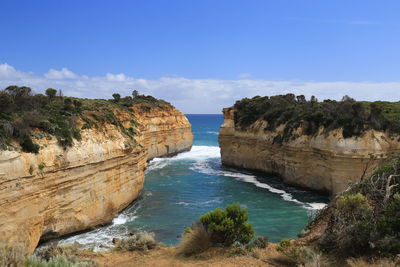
x=199, y=203
x=101, y=238
x=203, y=167
x=195, y=154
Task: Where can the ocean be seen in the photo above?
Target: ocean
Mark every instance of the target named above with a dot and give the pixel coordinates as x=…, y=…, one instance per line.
x=179, y=189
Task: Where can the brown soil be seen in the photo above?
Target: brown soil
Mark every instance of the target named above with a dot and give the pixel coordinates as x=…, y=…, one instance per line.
x=168, y=256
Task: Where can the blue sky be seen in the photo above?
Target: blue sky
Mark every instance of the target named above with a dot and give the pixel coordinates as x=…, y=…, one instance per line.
x=218, y=51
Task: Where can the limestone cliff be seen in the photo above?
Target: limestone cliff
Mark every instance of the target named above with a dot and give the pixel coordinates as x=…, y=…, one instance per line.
x=323, y=162
x=60, y=191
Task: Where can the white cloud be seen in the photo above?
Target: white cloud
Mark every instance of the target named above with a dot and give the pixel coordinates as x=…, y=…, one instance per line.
x=244, y=75
x=9, y=72
x=64, y=73
x=116, y=77
x=195, y=95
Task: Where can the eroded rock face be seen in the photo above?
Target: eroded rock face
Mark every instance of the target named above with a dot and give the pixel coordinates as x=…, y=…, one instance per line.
x=322, y=162
x=58, y=192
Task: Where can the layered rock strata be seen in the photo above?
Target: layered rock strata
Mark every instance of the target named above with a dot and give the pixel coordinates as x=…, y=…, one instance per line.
x=324, y=162
x=58, y=192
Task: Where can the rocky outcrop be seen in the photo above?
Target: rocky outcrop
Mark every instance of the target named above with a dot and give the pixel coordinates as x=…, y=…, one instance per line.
x=324, y=162
x=165, y=132
x=58, y=192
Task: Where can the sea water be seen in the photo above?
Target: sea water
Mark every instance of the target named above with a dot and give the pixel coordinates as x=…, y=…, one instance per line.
x=179, y=189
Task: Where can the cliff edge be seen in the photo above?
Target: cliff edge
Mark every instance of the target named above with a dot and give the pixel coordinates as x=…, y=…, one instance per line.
x=62, y=190
x=324, y=160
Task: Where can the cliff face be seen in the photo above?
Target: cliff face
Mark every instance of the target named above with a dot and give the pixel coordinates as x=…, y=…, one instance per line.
x=321, y=162
x=57, y=191
x=165, y=132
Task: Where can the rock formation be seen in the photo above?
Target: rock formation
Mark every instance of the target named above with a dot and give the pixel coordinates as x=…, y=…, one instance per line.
x=61, y=191
x=323, y=162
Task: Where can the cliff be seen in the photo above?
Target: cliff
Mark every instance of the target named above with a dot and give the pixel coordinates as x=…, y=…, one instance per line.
x=323, y=161
x=64, y=190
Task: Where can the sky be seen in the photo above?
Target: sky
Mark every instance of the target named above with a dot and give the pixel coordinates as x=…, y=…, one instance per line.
x=203, y=55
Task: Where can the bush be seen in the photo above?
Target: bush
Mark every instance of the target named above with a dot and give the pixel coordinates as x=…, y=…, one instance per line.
x=364, y=220
x=28, y=146
x=228, y=226
x=58, y=256
x=51, y=93
x=195, y=240
x=351, y=207
x=299, y=255
x=59, y=261
x=259, y=242
x=139, y=241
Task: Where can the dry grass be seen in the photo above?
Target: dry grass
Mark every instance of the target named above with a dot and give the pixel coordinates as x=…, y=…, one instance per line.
x=195, y=241
x=375, y=263
x=11, y=257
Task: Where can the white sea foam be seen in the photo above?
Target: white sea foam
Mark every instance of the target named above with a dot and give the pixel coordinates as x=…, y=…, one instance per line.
x=203, y=167
x=121, y=219
x=195, y=154
x=199, y=203
x=101, y=238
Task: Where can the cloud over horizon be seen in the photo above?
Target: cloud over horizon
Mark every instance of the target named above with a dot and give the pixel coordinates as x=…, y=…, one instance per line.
x=193, y=95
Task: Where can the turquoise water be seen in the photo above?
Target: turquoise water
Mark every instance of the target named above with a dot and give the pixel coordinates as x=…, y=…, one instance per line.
x=178, y=190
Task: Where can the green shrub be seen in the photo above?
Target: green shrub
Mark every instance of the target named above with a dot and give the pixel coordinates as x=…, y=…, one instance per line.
x=228, y=226
x=28, y=146
x=145, y=108
x=352, y=207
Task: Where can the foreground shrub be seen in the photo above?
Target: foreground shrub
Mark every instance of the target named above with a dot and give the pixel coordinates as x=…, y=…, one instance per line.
x=299, y=255
x=195, y=240
x=58, y=256
x=11, y=257
x=51, y=251
x=139, y=241
x=228, y=226
x=365, y=220
x=58, y=261
x=259, y=242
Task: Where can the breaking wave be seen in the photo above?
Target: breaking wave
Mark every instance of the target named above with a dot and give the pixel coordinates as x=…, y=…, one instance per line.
x=203, y=166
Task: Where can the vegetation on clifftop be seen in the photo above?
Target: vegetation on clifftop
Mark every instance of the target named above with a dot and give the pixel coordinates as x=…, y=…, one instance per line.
x=354, y=117
x=22, y=111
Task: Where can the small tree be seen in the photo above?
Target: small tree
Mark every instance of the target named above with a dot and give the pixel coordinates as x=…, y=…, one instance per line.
x=135, y=93
x=51, y=93
x=229, y=225
x=117, y=97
